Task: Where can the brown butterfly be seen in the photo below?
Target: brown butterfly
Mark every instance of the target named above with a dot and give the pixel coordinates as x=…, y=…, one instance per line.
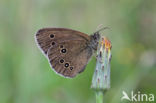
x=68, y=51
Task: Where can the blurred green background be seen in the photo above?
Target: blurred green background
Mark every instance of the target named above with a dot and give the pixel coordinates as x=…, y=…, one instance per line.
x=25, y=74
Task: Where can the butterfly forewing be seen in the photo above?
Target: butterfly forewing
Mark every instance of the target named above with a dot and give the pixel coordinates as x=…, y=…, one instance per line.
x=47, y=37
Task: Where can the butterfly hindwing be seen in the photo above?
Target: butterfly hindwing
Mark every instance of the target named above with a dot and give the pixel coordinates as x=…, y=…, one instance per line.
x=69, y=58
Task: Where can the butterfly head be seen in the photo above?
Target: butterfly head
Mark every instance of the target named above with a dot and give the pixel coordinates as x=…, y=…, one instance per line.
x=96, y=37
x=95, y=40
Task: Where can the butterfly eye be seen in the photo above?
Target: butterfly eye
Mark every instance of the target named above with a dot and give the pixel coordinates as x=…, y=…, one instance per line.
x=66, y=65
x=53, y=43
x=61, y=61
x=95, y=37
x=51, y=35
x=63, y=50
x=71, y=68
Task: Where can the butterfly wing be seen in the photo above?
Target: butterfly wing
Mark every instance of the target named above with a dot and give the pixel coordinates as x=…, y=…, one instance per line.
x=47, y=37
x=67, y=50
x=69, y=57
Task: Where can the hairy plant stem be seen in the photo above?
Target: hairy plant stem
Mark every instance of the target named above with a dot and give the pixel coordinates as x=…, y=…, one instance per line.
x=101, y=77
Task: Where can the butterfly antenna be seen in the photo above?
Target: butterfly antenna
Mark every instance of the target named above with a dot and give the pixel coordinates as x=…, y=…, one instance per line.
x=101, y=29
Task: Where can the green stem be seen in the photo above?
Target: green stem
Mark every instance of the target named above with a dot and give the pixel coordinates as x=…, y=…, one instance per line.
x=99, y=96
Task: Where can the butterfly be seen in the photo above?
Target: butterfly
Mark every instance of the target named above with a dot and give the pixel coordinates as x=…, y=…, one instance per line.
x=68, y=51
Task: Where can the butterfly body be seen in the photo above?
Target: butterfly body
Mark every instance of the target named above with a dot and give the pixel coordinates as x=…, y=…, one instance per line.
x=68, y=51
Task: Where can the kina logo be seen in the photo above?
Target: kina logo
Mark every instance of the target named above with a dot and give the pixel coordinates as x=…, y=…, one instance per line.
x=140, y=97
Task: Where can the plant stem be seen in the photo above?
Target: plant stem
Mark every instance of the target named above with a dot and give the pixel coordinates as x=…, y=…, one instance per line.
x=101, y=77
x=99, y=96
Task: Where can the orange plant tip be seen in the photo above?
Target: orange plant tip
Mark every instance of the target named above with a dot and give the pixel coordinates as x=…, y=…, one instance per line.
x=106, y=43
